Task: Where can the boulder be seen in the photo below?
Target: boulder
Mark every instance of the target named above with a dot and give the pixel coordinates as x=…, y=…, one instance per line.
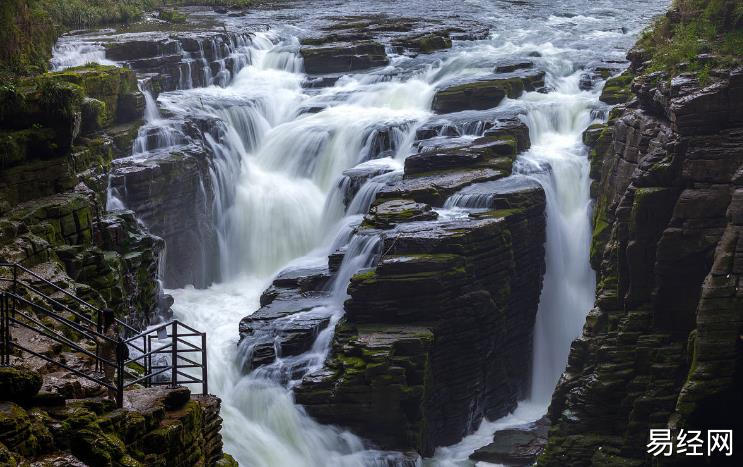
x=343, y=57
x=425, y=43
x=18, y=384
x=511, y=65
x=486, y=93
x=516, y=446
x=387, y=213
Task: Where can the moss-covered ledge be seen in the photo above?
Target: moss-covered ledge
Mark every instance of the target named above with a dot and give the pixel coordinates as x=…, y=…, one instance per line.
x=156, y=427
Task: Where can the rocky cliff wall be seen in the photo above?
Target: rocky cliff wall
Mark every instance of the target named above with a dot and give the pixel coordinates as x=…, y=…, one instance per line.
x=60, y=133
x=662, y=347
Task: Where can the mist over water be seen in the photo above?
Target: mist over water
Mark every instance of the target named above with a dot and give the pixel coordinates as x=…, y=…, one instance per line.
x=278, y=172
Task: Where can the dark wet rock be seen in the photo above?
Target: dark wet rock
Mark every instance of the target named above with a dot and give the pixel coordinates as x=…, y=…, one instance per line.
x=290, y=318
x=287, y=324
x=617, y=89
x=486, y=93
x=488, y=151
x=320, y=82
x=354, y=178
x=18, y=384
x=509, y=66
x=170, y=192
x=435, y=188
x=181, y=60
x=343, y=57
x=586, y=82
x=661, y=347
x=510, y=129
x=425, y=43
x=425, y=332
x=514, y=192
x=387, y=213
x=515, y=446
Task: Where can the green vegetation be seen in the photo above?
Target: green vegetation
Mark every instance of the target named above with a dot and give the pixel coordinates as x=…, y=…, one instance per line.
x=711, y=28
x=29, y=28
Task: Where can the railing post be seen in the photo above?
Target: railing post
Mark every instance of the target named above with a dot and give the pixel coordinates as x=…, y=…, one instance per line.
x=144, y=361
x=204, y=373
x=174, y=355
x=120, y=357
x=149, y=359
x=4, y=350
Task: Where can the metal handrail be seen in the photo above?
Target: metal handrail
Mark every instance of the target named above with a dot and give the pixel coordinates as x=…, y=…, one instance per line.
x=178, y=345
x=97, y=310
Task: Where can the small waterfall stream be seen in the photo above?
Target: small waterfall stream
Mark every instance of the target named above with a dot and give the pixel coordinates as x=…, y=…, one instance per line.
x=280, y=151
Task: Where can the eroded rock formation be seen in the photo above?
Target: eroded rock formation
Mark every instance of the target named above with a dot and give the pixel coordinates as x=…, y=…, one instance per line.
x=662, y=347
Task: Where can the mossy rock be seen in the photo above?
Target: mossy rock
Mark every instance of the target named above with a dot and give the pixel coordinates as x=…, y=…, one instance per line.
x=18, y=384
x=96, y=448
x=227, y=461
x=17, y=147
x=94, y=115
x=617, y=89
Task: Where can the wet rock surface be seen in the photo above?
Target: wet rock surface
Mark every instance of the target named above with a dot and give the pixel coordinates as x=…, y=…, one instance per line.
x=660, y=349
x=486, y=92
x=516, y=446
x=408, y=368
x=343, y=57
x=155, y=427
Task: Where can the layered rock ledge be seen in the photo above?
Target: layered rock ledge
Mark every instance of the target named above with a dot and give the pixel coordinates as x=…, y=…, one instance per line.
x=437, y=333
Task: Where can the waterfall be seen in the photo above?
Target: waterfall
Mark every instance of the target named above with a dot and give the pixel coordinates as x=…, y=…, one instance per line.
x=558, y=161
x=69, y=52
x=292, y=170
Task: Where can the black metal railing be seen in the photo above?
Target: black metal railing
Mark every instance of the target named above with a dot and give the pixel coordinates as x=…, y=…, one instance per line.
x=160, y=351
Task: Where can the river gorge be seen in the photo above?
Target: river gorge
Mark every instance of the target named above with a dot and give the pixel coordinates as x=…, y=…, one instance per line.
x=398, y=222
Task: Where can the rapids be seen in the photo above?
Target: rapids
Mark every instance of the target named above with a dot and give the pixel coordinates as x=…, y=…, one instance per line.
x=279, y=173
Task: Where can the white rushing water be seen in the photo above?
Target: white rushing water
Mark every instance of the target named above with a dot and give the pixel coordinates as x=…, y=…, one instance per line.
x=289, y=167
x=278, y=164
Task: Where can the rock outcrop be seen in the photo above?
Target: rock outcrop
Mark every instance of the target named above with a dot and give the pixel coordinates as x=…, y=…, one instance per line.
x=437, y=333
x=53, y=189
x=662, y=347
x=167, y=427
x=488, y=92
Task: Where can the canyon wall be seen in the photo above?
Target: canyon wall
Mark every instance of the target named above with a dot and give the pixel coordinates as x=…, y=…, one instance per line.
x=662, y=347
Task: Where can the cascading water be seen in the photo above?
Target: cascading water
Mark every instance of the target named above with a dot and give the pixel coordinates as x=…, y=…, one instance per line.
x=281, y=196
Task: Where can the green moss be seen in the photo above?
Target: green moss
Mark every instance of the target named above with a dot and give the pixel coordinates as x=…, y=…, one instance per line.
x=617, y=89
x=598, y=239
x=364, y=276
x=173, y=16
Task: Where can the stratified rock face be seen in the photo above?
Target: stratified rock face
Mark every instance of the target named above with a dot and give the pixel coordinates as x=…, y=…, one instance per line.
x=182, y=60
x=439, y=333
x=157, y=427
x=53, y=188
x=343, y=57
x=54, y=129
x=171, y=193
x=662, y=347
